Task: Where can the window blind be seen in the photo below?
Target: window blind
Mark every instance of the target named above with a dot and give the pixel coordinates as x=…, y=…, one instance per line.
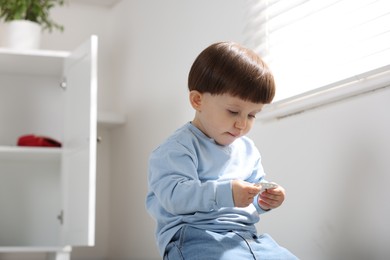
x=309, y=44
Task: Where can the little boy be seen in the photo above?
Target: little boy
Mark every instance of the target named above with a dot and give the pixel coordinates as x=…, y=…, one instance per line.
x=202, y=179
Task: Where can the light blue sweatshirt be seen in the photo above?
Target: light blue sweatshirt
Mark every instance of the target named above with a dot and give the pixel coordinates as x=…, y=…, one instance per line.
x=190, y=184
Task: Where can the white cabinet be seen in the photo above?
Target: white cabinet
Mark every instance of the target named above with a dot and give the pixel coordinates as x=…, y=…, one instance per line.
x=47, y=195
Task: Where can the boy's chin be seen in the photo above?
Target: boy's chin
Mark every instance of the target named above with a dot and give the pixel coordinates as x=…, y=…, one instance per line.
x=225, y=142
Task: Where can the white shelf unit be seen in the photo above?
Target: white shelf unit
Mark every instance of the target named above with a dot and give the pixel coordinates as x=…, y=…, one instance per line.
x=47, y=195
x=29, y=153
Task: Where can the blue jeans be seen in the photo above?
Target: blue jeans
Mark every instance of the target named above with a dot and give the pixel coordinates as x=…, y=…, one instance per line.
x=196, y=244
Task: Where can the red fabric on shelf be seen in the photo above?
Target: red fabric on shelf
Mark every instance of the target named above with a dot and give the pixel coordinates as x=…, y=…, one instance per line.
x=38, y=141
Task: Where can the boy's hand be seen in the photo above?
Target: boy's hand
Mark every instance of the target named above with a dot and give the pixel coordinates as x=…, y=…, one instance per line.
x=271, y=198
x=243, y=193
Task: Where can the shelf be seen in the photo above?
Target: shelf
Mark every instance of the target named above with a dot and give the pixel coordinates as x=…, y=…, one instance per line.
x=103, y=3
x=110, y=120
x=20, y=249
x=31, y=153
x=32, y=62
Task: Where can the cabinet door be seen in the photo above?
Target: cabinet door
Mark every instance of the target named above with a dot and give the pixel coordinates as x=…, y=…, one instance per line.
x=79, y=146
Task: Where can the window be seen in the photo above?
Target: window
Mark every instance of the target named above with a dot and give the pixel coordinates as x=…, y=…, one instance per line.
x=320, y=51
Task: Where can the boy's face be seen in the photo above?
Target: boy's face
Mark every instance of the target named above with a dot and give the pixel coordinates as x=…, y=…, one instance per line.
x=223, y=118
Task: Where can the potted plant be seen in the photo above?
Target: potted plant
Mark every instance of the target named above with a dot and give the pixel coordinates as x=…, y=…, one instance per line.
x=24, y=20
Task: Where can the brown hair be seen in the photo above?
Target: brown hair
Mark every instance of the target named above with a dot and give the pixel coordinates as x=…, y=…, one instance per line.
x=229, y=68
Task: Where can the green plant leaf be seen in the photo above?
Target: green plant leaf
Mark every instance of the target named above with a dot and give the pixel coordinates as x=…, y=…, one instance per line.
x=33, y=10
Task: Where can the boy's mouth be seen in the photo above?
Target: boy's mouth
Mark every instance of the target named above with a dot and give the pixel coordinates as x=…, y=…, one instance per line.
x=234, y=134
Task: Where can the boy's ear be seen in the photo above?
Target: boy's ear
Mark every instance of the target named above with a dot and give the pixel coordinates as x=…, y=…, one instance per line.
x=196, y=99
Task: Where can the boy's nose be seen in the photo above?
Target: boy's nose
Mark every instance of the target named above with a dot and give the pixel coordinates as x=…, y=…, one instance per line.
x=241, y=123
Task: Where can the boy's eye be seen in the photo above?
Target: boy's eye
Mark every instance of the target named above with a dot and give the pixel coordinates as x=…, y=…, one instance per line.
x=232, y=112
x=252, y=116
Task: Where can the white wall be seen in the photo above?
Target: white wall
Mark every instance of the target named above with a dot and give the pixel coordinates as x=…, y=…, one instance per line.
x=334, y=163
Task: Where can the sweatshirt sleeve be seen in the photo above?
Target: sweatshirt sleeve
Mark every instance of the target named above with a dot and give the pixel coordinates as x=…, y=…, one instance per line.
x=174, y=180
